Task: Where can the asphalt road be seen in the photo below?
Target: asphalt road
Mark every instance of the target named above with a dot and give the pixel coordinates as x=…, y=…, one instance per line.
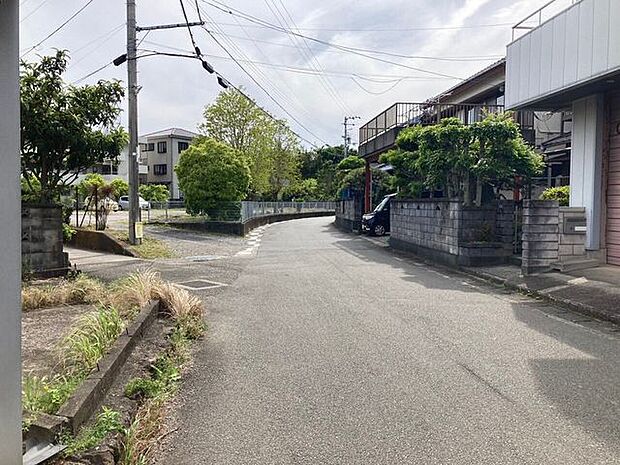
x=329, y=349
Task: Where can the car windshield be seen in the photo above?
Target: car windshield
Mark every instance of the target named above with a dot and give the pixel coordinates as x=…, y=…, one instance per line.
x=382, y=205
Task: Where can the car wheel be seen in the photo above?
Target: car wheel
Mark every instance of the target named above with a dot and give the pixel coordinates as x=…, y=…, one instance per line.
x=378, y=230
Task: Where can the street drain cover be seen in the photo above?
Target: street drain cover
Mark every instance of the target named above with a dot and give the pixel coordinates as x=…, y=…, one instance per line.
x=200, y=284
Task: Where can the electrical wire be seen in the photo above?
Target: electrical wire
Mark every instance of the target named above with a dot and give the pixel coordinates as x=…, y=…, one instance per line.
x=59, y=28
x=260, y=86
x=473, y=58
x=377, y=78
x=394, y=29
x=352, y=50
x=33, y=11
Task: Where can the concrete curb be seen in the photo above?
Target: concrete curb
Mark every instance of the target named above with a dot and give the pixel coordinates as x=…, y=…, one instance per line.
x=578, y=307
x=88, y=396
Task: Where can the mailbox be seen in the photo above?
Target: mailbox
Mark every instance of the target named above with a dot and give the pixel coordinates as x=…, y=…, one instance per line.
x=574, y=225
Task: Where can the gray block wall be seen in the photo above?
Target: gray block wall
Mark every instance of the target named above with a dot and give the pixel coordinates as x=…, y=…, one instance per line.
x=349, y=215
x=540, y=235
x=451, y=233
x=42, y=245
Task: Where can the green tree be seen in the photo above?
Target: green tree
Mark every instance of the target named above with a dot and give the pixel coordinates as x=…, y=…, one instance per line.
x=211, y=172
x=64, y=128
x=120, y=188
x=350, y=163
x=154, y=192
x=269, y=147
x=90, y=182
x=450, y=156
x=302, y=191
x=321, y=164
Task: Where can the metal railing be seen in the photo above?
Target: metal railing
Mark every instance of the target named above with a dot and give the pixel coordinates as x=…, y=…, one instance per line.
x=543, y=14
x=251, y=210
x=412, y=114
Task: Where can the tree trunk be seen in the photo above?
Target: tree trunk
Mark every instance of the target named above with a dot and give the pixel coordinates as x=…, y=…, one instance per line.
x=478, y=192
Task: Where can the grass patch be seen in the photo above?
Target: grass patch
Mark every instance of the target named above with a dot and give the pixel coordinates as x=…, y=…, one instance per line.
x=89, y=341
x=80, y=290
x=150, y=248
x=107, y=422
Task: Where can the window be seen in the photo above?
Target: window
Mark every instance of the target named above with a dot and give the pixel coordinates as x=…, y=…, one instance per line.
x=147, y=147
x=183, y=146
x=160, y=170
x=162, y=147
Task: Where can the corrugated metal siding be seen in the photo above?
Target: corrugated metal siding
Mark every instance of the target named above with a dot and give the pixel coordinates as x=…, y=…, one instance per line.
x=613, y=185
x=576, y=46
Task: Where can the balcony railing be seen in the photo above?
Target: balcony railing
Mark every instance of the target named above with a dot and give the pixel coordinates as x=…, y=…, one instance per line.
x=401, y=115
x=544, y=13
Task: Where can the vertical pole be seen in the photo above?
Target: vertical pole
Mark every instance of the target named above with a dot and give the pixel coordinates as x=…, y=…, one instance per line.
x=346, y=142
x=10, y=231
x=368, y=189
x=132, y=98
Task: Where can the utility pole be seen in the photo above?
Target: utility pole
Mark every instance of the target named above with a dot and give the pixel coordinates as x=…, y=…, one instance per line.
x=131, y=57
x=346, y=137
x=132, y=98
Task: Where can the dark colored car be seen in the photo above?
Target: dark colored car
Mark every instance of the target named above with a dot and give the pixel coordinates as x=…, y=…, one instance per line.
x=377, y=223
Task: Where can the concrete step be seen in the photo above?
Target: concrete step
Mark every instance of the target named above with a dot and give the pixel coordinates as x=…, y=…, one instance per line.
x=575, y=264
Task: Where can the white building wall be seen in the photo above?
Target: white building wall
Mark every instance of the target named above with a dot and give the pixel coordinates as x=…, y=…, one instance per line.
x=10, y=232
x=586, y=164
x=578, y=45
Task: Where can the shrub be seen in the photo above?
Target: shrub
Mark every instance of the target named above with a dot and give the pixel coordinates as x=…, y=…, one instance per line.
x=211, y=172
x=561, y=194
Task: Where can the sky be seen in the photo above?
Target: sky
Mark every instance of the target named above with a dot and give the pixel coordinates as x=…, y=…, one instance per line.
x=413, y=50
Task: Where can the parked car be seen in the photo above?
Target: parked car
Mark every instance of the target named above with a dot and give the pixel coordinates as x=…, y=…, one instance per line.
x=123, y=203
x=377, y=223
x=110, y=204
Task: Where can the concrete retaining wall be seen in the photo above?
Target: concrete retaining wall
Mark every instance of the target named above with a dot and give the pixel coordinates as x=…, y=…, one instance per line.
x=448, y=232
x=240, y=229
x=349, y=215
x=42, y=247
x=540, y=235
x=100, y=241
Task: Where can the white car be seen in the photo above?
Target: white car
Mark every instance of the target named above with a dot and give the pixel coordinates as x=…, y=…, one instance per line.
x=123, y=203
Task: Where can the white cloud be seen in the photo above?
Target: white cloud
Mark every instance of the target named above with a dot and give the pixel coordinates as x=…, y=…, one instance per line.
x=174, y=91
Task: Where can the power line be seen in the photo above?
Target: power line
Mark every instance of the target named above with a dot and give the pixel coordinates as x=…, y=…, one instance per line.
x=307, y=55
x=352, y=50
x=377, y=78
x=392, y=29
x=271, y=97
x=474, y=58
x=33, y=11
x=74, y=15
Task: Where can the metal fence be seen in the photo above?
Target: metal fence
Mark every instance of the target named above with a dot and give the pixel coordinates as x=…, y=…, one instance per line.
x=251, y=210
x=543, y=14
x=232, y=211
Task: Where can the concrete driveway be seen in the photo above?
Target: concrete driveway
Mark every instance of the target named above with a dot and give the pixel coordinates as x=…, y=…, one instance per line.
x=329, y=349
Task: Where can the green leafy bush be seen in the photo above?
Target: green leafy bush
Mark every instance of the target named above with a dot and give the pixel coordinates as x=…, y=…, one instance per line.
x=154, y=192
x=67, y=232
x=209, y=173
x=561, y=194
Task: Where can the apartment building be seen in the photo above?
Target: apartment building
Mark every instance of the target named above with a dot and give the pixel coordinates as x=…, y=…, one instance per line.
x=159, y=152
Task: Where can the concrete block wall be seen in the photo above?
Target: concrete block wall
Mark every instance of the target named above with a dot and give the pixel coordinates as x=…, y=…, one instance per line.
x=42, y=241
x=571, y=246
x=540, y=235
x=429, y=224
x=349, y=215
x=451, y=233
